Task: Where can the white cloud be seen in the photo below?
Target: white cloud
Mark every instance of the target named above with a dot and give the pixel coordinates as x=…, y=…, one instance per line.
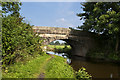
x=62, y=22
x=67, y=16
x=62, y=19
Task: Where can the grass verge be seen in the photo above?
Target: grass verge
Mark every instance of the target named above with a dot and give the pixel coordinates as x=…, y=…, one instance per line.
x=31, y=69
x=58, y=68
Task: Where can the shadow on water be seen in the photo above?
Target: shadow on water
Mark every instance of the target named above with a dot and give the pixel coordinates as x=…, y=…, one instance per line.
x=96, y=67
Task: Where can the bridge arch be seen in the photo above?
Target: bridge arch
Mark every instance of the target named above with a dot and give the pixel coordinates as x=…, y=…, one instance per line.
x=50, y=39
x=80, y=41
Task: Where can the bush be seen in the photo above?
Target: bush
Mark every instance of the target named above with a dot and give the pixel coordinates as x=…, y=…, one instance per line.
x=113, y=56
x=103, y=54
x=96, y=53
x=83, y=75
x=18, y=40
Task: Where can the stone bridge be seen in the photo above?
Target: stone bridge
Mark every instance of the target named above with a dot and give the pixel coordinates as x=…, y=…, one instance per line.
x=81, y=42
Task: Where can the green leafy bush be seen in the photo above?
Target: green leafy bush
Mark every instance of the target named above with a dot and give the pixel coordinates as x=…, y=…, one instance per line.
x=83, y=75
x=103, y=54
x=96, y=53
x=18, y=40
x=113, y=56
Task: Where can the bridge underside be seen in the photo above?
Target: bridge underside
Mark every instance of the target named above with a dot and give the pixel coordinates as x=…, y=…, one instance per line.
x=79, y=47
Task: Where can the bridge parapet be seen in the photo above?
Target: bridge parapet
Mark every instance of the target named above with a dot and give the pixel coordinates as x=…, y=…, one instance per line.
x=79, y=33
x=51, y=30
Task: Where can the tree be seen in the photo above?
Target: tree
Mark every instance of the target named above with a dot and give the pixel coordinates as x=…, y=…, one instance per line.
x=52, y=43
x=18, y=38
x=57, y=43
x=102, y=18
x=12, y=8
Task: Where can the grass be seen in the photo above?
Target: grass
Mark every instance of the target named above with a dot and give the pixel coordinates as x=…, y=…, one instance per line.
x=52, y=66
x=59, y=46
x=31, y=69
x=55, y=67
x=58, y=68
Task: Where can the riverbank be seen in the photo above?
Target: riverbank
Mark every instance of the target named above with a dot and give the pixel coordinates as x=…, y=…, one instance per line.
x=111, y=56
x=58, y=68
x=45, y=66
x=52, y=67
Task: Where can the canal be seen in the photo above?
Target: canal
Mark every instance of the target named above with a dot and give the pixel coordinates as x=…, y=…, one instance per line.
x=97, y=68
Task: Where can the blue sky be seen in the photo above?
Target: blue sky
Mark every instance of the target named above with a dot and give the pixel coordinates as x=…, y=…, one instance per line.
x=52, y=14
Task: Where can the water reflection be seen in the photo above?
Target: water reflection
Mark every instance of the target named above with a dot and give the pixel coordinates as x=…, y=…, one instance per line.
x=97, y=70
x=65, y=55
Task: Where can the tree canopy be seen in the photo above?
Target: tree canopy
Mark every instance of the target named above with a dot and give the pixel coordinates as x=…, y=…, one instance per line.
x=12, y=8
x=18, y=39
x=102, y=18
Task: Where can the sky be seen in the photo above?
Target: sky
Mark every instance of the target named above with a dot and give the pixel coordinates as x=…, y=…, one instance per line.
x=52, y=14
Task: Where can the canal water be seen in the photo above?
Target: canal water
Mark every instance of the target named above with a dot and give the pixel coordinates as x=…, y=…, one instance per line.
x=98, y=69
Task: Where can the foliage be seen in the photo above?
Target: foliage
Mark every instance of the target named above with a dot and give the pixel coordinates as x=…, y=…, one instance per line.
x=102, y=18
x=57, y=43
x=114, y=56
x=59, y=48
x=12, y=8
x=83, y=75
x=52, y=43
x=103, y=54
x=18, y=39
x=96, y=53
x=31, y=69
x=57, y=68
x=19, y=43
